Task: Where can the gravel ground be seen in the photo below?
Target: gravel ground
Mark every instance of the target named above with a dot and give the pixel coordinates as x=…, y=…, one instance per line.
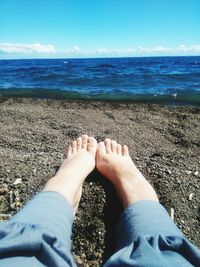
x=163, y=141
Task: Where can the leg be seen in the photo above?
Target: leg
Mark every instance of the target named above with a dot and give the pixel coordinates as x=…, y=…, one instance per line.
x=39, y=235
x=114, y=162
x=80, y=162
x=146, y=235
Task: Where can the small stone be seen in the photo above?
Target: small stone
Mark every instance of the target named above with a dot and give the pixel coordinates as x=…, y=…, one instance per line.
x=149, y=170
x=83, y=255
x=159, y=175
x=4, y=216
x=17, y=181
x=188, y=172
x=34, y=171
x=3, y=189
x=156, y=154
x=191, y=196
x=169, y=171
x=18, y=203
x=183, y=199
x=11, y=197
x=12, y=205
x=196, y=173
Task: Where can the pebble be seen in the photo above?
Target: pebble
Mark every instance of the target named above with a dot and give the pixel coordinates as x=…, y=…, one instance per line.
x=11, y=197
x=18, y=203
x=191, y=196
x=188, y=172
x=3, y=189
x=5, y=216
x=183, y=199
x=17, y=181
x=196, y=173
x=12, y=205
x=169, y=171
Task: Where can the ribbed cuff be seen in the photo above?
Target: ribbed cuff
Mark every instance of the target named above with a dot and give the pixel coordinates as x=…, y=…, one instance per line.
x=49, y=210
x=144, y=218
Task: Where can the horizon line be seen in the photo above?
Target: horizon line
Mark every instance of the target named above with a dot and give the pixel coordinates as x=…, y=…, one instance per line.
x=150, y=56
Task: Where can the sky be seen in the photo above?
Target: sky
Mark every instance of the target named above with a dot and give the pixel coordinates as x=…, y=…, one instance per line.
x=98, y=28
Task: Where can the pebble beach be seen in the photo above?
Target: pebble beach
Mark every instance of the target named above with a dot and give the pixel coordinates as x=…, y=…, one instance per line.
x=164, y=143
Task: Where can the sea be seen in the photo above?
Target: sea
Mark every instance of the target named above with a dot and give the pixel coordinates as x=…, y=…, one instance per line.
x=166, y=80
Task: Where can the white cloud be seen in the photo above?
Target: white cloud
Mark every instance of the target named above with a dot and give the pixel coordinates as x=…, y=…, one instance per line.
x=116, y=51
x=157, y=50
x=10, y=50
x=162, y=49
x=76, y=51
x=36, y=48
x=185, y=49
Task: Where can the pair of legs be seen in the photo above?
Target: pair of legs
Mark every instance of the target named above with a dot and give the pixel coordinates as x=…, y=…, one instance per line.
x=112, y=160
x=146, y=236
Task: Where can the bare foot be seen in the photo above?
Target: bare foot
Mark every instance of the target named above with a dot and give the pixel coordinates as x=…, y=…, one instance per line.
x=113, y=162
x=75, y=168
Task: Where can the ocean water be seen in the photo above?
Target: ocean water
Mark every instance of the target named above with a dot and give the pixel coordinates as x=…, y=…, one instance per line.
x=170, y=80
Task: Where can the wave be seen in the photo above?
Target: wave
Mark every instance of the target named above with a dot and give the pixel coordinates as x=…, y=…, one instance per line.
x=47, y=77
x=136, y=79
x=186, y=98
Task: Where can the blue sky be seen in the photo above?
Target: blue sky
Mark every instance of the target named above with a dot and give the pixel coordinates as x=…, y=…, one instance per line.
x=98, y=28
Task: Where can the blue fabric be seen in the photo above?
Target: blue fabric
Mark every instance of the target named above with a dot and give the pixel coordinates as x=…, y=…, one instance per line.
x=39, y=235
x=147, y=237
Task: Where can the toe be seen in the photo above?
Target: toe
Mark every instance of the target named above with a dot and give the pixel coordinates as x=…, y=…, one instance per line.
x=91, y=145
x=119, y=149
x=101, y=147
x=79, y=143
x=84, y=141
x=113, y=146
x=74, y=147
x=108, y=145
x=125, y=150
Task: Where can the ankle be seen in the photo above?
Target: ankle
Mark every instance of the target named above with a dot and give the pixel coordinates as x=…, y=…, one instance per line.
x=131, y=193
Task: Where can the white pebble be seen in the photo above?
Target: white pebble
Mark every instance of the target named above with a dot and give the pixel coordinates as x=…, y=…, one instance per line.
x=169, y=171
x=17, y=181
x=196, y=173
x=191, y=196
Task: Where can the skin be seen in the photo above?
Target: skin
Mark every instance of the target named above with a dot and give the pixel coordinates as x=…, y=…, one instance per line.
x=80, y=162
x=112, y=160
